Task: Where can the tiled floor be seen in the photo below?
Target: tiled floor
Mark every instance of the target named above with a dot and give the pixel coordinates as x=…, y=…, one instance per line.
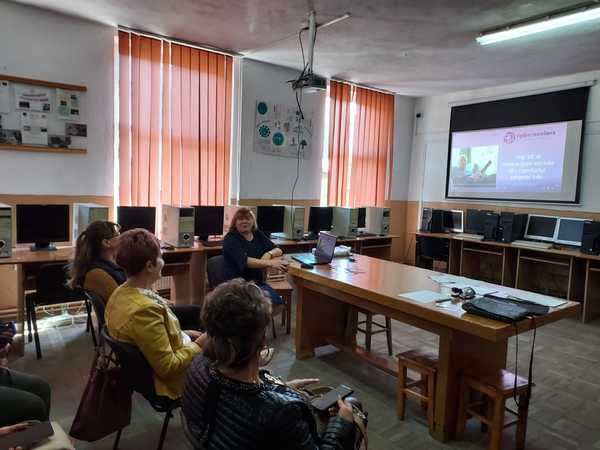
x=564, y=413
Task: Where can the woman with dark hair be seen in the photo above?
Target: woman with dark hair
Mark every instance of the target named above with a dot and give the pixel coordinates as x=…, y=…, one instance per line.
x=228, y=403
x=248, y=252
x=137, y=315
x=94, y=267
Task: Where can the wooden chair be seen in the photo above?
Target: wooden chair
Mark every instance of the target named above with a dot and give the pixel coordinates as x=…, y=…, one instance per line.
x=368, y=331
x=495, y=387
x=426, y=365
x=279, y=283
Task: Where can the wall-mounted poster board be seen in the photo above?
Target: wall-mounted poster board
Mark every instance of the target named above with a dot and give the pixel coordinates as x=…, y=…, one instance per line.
x=42, y=116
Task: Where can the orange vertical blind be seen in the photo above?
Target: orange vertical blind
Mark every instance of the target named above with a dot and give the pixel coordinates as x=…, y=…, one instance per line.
x=371, y=148
x=174, y=123
x=340, y=101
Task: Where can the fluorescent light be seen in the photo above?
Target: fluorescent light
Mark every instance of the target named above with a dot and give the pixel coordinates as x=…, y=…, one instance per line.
x=537, y=27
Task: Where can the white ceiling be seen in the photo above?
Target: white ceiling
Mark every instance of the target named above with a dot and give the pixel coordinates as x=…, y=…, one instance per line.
x=410, y=47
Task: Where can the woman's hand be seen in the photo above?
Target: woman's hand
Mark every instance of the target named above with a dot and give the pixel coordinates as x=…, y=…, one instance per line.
x=201, y=339
x=345, y=410
x=279, y=264
x=13, y=429
x=302, y=383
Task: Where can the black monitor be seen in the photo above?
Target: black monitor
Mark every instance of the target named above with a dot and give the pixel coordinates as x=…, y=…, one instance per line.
x=320, y=218
x=541, y=228
x=130, y=217
x=453, y=220
x=475, y=222
x=362, y=217
x=208, y=221
x=570, y=231
x=42, y=225
x=269, y=219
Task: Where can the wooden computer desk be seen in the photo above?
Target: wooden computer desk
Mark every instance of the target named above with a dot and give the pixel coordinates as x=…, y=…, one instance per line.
x=564, y=273
x=26, y=263
x=327, y=294
x=186, y=266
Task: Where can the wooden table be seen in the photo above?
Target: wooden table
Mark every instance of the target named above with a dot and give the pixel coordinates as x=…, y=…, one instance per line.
x=561, y=272
x=327, y=294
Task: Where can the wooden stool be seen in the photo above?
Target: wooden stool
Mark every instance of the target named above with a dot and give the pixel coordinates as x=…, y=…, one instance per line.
x=284, y=289
x=426, y=365
x=369, y=332
x=496, y=387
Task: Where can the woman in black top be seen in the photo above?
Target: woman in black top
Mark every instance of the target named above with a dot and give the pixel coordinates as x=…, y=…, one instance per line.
x=247, y=252
x=228, y=403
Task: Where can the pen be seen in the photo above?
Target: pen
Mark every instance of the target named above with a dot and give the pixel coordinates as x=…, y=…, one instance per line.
x=443, y=300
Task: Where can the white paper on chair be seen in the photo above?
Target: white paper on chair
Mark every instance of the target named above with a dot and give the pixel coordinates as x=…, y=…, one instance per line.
x=424, y=296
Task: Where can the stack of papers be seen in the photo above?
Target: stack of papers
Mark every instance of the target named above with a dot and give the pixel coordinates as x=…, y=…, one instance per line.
x=424, y=296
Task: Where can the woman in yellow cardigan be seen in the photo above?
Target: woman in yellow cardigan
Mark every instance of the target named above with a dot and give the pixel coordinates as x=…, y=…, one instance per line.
x=137, y=315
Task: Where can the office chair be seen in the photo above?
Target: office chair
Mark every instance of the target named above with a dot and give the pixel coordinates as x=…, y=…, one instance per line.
x=215, y=270
x=98, y=305
x=430, y=250
x=51, y=289
x=140, y=376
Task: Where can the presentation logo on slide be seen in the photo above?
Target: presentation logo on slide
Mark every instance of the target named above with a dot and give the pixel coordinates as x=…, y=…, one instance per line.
x=509, y=137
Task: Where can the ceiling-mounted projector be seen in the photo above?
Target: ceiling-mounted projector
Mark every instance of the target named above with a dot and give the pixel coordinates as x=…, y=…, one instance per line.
x=310, y=82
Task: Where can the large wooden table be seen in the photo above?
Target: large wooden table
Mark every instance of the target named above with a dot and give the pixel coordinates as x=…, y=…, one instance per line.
x=562, y=272
x=327, y=295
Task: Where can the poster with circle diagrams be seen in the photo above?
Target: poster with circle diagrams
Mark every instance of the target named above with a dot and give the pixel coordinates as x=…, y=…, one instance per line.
x=279, y=129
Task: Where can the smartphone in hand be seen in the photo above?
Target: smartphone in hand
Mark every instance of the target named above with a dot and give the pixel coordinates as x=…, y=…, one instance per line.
x=330, y=399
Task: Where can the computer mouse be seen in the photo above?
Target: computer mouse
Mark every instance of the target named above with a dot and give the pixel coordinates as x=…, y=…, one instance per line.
x=352, y=259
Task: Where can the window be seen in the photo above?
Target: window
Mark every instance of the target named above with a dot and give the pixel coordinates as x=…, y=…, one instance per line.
x=359, y=143
x=174, y=114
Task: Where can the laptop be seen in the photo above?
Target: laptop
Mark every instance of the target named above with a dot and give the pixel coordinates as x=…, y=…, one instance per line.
x=323, y=253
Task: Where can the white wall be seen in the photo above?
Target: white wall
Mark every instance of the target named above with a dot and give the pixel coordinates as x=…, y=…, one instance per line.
x=404, y=117
x=430, y=145
x=46, y=46
x=271, y=177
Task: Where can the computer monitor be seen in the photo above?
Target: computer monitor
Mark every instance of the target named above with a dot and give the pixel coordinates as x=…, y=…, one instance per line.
x=208, y=221
x=453, y=220
x=475, y=223
x=270, y=219
x=362, y=217
x=541, y=228
x=42, y=225
x=570, y=231
x=130, y=217
x=320, y=218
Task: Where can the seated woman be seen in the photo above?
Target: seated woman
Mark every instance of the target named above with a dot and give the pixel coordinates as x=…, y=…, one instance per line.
x=229, y=403
x=94, y=267
x=247, y=252
x=137, y=315
x=23, y=397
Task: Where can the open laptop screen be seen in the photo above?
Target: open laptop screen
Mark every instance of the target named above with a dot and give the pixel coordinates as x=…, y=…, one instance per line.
x=325, y=247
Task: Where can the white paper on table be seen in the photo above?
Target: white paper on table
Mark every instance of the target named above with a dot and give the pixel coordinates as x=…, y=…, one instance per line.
x=539, y=299
x=4, y=96
x=32, y=98
x=424, y=296
x=34, y=128
x=444, y=279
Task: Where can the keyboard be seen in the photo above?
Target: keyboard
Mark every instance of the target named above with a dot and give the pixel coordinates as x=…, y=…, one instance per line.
x=532, y=244
x=474, y=237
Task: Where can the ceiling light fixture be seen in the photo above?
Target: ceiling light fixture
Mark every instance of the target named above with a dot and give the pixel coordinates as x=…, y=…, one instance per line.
x=550, y=21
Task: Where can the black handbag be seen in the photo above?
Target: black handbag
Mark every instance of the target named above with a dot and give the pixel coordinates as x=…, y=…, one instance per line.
x=496, y=309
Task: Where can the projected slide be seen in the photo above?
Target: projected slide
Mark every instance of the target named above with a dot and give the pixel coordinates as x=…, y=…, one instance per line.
x=536, y=162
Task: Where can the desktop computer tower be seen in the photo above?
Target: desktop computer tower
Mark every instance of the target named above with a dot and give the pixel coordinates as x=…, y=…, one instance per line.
x=228, y=213
x=5, y=231
x=490, y=226
x=437, y=221
x=177, y=226
x=293, y=223
x=590, y=242
x=426, y=214
x=345, y=222
x=377, y=220
x=511, y=227
x=84, y=214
